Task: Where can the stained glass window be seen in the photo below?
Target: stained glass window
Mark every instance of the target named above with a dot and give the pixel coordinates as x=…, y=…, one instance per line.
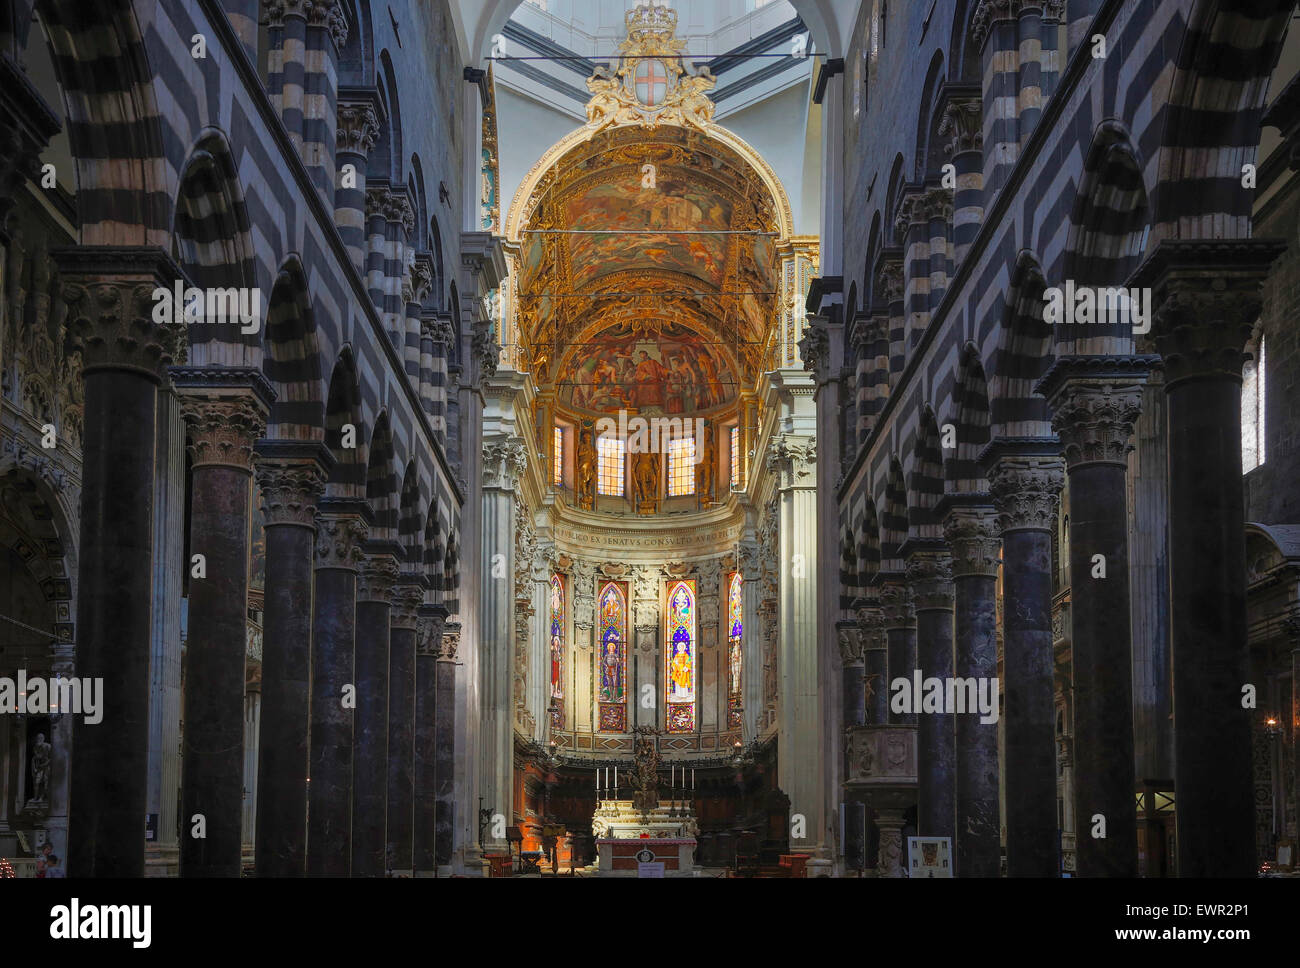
x=612, y=603
x=557, y=652
x=681, y=655
x=610, y=452
x=735, y=456
x=735, y=630
x=681, y=466
x=557, y=457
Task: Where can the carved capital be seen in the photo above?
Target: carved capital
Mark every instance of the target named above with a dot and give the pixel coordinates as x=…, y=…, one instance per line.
x=975, y=537
x=815, y=348
x=223, y=424
x=329, y=14
x=504, y=460
x=1094, y=417
x=1207, y=297
x=963, y=125
x=891, y=281
x=450, y=643
x=421, y=277
x=290, y=484
x=793, y=459
x=896, y=606
x=987, y=13
x=1026, y=492
x=438, y=329
x=338, y=541
x=929, y=574
x=358, y=127
x=487, y=351
x=113, y=318
x=376, y=577
x=407, y=598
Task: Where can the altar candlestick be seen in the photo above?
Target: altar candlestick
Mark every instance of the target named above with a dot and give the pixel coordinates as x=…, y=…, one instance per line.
x=692, y=779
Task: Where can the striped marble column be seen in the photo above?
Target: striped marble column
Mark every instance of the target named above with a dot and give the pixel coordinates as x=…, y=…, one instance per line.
x=377, y=196
x=327, y=31
x=961, y=124
x=995, y=32
x=889, y=273
x=286, y=62
x=415, y=287
x=936, y=208
x=243, y=17
x=1029, y=67
x=913, y=231
x=438, y=334
x=864, y=346
x=357, y=132
x=400, y=217
x=878, y=376
x=1049, y=51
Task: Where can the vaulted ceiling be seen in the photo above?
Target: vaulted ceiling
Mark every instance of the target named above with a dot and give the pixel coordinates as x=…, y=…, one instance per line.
x=617, y=258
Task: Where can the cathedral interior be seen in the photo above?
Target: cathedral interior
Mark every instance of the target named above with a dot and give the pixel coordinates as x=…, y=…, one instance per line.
x=732, y=438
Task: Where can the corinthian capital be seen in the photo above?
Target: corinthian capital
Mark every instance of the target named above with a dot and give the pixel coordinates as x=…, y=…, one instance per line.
x=450, y=642
x=225, y=413
x=975, y=537
x=487, y=351
x=793, y=460
x=329, y=14
x=963, y=125
x=358, y=127
x=929, y=573
x=504, y=461
x=891, y=281
x=1026, y=491
x=1095, y=404
x=407, y=598
x=338, y=541
x=851, y=642
x=896, y=606
x=815, y=348
x=376, y=577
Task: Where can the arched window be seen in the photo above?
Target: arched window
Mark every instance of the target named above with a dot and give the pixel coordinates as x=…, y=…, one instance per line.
x=610, y=454
x=613, y=657
x=681, y=466
x=680, y=676
x=557, y=652
x=735, y=628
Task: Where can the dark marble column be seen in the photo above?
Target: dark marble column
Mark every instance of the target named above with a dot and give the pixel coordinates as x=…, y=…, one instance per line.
x=929, y=576
x=971, y=530
x=900, y=633
x=109, y=294
x=428, y=648
x=875, y=662
x=1095, y=403
x=1026, y=490
x=375, y=582
x=341, y=529
x=291, y=478
x=445, y=747
x=1207, y=298
x=855, y=713
x=225, y=413
x=407, y=598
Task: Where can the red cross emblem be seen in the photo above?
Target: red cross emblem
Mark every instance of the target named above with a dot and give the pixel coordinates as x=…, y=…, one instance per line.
x=651, y=82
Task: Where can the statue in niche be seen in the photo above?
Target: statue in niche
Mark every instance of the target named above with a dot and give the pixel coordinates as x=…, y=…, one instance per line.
x=586, y=477
x=646, y=476
x=40, y=768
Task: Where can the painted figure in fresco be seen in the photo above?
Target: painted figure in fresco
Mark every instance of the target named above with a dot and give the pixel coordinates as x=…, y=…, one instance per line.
x=650, y=379
x=557, y=686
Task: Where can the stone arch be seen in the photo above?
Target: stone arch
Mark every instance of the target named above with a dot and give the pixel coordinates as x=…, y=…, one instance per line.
x=848, y=570
x=409, y=520
x=892, y=194
x=434, y=564
x=343, y=409
x=962, y=473
x=1108, y=232
x=37, y=530
x=212, y=244
x=925, y=483
x=451, y=571
x=868, y=543
x=357, y=58
x=123, y=175
x=1212, y=118
x=894, y=520
x=391, y=133
x=292, y=361
x=381, y=481
x=963, y=53
x=1024, y=352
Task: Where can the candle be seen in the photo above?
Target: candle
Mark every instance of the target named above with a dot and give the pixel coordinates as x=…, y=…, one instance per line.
x=692, y=778
x=616, y=781
x=674, y=779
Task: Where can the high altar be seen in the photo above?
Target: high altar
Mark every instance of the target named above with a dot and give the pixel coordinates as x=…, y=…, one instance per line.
x=630, y=832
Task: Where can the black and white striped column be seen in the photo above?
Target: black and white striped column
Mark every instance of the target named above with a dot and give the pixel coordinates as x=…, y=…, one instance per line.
x=962, y=125
x=327, y=31
x=995, y=32
x=357, y=132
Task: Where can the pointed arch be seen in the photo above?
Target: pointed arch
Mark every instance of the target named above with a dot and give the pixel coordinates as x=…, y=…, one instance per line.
x=894, y=521
x=292, y=361
x=434, y=553
x=343, y=425
x=681, y=655
x=868, y=543
x=611, y=607
x=1023, y=355
x=929, y=157
x=962, y=473
x=381, y=481
x=410, y=520
x=925, y=483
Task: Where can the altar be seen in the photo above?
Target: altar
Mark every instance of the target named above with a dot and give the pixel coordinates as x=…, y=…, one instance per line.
x=626, y=837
